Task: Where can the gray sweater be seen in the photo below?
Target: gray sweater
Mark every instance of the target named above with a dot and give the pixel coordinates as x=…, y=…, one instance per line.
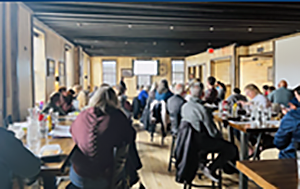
x=15, y=159
x=195, y=113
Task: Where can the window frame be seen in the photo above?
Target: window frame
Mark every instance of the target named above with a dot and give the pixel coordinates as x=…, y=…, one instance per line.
x=177, y=72
x=110, y=73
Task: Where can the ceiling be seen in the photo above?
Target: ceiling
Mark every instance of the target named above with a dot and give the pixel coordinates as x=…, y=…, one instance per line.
x=165, y=29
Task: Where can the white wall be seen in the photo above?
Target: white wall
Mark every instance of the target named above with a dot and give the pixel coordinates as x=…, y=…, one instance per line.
x=287, y=60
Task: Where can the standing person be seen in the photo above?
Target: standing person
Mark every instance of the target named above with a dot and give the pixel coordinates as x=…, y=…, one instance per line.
x=80, y=97
x=207, y=137
x=289, y=131
x=174, y=105
x=96, y=131
x=282, y=95
x=143, y=96
x=122, y=83
x=163, y=92
x=124, y=104
x=265, y=90
x=235, y=97
x=211, y=94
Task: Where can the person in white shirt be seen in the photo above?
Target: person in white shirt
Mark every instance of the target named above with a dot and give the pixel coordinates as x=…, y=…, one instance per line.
x=256, y=97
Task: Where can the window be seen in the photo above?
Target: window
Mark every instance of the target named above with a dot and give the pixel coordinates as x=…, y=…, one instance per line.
x=109, y=72
x=144, y=80
x=177, y=71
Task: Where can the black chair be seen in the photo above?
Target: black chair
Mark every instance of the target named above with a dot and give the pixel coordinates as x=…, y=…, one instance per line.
x=172, y=153
x=200, y=175
x=7, y=121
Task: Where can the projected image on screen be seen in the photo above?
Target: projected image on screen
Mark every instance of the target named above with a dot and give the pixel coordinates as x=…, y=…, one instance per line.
x=145, y=67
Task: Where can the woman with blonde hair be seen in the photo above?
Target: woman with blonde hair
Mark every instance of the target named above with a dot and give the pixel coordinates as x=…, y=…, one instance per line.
x=96, y=131
x=255, y=95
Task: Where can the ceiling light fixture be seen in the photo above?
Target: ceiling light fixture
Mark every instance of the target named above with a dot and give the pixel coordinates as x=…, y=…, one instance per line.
x=146, y=51
x=167, y=51
x=211, y=28
x=209, y=43
x=126, y=42
x=250, y=29
x=154, y=43
x=182, y=43
x=171, y=27
x=78, y=24
x=129, y=26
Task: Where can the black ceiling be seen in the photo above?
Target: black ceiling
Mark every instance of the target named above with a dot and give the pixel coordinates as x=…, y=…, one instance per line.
x=165, y=29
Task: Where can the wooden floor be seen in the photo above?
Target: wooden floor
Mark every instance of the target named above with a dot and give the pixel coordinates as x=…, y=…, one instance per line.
x=154, y=174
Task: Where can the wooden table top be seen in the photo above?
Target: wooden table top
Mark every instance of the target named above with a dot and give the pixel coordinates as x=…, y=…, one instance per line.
x=248, y=128
x=66, y=144
x=271, y=174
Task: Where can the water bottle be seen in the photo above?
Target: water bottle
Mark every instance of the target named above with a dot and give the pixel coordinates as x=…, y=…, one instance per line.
x=33, y=139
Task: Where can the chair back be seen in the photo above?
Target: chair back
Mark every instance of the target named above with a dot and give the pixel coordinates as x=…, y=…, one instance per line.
x=119, y=180
x=7, y=121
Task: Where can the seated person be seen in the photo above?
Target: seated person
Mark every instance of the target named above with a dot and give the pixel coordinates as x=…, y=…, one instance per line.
x=289, y=131
x=235, y=97
x=96, y=131
x=55, y=104
x=174, y=105
x=80, y=96
x=221, y=88
x=255, y=96
x=265, y=90
x=67, y=106
x=271, y=89
x=208, y=137
x=282, y=95
x=15, y=159
x=211, y=94
x=143, y=96
x=163, y=92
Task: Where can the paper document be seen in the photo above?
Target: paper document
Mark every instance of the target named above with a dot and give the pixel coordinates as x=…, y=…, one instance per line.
x=273, y=122
x=241, y=122
x=61, y=131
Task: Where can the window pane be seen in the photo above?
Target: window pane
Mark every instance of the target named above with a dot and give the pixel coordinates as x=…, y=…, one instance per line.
x=177, y=65
x=109, y=72
x=177, y=78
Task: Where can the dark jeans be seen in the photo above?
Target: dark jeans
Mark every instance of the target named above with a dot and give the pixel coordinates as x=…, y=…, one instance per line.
x=49, y=181
x=226, y=150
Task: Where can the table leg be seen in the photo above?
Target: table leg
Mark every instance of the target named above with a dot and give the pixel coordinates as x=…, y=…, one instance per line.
x=221, y=127
x=257, y=147
x=231, y=135
x=243, y=183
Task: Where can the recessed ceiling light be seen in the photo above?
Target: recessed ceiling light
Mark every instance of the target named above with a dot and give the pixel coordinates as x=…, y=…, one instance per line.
x=92, y=46
x=126, y=42
x=250, y=29
x=188, y=51
x=167, y=51
x=211, y=28
x=146, y=51
x=96, y=41
x=182, y=43
x=129, y=26
x=78, y=24
x=154, y=43
x=75, y=41
x=171, y=27
x=209, y=43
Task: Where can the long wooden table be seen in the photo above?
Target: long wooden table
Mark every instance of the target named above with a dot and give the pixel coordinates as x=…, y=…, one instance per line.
x=271, y=174
x=245, y=130
x=66, y=144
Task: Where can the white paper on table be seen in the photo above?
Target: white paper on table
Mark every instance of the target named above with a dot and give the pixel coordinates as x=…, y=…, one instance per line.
x=210, y=105
x=241, y=122
x=273, y=122
x=61, y=131
x=21, y=124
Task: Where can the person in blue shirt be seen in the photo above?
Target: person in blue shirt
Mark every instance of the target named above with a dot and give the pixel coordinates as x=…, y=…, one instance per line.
x=143, y=96
x=289, y=131
x=163, y=92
